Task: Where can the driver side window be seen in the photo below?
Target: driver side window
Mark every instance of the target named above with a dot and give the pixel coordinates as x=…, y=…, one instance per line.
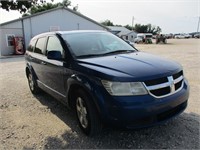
x=54, y=44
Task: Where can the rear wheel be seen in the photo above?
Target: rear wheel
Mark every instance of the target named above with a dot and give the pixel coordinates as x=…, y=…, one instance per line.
x=87, y=115
x=32, y=84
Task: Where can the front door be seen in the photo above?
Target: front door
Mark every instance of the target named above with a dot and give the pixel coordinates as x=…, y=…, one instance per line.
x=53, y=72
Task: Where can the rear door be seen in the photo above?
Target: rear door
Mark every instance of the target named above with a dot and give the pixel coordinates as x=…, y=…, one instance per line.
x=38, y=58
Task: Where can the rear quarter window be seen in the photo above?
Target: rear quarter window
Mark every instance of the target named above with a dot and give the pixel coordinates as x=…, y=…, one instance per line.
x=40, y=45
x=31, y=46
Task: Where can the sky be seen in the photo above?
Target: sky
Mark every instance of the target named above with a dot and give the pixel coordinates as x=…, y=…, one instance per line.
x=173, y=16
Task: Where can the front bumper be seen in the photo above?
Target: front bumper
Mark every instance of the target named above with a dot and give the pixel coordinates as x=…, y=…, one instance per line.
x=142, y=111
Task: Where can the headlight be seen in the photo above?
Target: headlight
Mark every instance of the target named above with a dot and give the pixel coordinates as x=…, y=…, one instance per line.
x=124, y=88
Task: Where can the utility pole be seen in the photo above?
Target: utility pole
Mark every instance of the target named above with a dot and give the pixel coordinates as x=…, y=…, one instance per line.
x=78, y=26
x=132, y=22
x=198, y=25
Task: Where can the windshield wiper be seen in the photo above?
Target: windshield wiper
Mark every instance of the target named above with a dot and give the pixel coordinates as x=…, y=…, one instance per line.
x=89, y=55
x=113, y=52
x=119, y=52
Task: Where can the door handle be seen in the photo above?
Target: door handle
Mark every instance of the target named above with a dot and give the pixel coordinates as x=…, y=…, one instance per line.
x=43, y=63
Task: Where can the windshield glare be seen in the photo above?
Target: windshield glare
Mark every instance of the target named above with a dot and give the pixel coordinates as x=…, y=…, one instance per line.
x=98, y=43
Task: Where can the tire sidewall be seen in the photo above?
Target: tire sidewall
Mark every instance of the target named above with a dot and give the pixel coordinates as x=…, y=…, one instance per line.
x=35, y=89
x=87, y=104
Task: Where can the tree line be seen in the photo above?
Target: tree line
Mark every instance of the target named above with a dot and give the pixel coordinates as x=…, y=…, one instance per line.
x=30, y=7
x=139, y=28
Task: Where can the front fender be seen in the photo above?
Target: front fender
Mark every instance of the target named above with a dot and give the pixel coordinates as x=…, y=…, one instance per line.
x=89, y=85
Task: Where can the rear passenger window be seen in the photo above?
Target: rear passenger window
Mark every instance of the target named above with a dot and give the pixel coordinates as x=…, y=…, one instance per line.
x=54, y=44
x=31, y=46
x=39, y=48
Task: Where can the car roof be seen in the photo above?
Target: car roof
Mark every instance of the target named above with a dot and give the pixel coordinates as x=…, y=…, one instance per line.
x=69, y=32
x=79, y=31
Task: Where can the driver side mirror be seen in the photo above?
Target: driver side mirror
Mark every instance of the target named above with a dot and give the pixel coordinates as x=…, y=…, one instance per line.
x=54, y=55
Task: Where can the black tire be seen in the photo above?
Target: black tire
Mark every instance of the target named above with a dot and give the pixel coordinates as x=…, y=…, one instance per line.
x=90, y=122
x=32, y=84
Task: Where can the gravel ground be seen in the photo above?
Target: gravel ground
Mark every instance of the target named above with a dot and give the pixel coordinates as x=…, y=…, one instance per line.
x=28, y=122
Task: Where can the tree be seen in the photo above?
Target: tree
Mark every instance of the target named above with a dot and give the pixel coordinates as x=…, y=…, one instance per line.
x=128, y=27
x=107, y=23
x=118, y=25
x=141, y=28
x=46, y=6
x=147, y=29
x=21, y=6
x=65, y=3
x=29, y=7
x=153, y=29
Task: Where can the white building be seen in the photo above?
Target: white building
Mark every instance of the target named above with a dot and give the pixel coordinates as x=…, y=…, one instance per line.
x=123, y=32
x=60, y=18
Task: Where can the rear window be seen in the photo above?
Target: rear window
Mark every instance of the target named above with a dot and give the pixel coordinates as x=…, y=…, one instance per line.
x=31, y=46
x=39, y=48
x=149, y=36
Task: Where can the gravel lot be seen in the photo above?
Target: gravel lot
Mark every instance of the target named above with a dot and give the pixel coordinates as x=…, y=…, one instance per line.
x=43, y=123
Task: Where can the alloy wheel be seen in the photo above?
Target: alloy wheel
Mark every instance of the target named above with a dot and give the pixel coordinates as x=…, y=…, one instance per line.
x=30, y=81
x=81, y=112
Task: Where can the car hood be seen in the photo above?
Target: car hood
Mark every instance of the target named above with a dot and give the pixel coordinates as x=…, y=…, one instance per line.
x=138, y=66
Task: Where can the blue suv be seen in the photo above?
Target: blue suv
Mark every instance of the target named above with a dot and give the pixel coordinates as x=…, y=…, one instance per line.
x=105, y=80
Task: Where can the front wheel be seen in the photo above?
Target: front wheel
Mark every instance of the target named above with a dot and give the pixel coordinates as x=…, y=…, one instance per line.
x=87, y=115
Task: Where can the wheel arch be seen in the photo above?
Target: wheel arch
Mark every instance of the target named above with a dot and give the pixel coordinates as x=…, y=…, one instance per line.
x=86, y=86
x=29, y=69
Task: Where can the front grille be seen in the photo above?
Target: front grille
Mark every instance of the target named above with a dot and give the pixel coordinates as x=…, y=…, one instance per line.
x=160, y=92
x=165, y=86
x=178, y=85
x=156, y=81
x=175, y=76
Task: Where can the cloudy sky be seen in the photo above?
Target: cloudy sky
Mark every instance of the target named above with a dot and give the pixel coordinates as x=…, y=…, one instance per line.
x=173, y=16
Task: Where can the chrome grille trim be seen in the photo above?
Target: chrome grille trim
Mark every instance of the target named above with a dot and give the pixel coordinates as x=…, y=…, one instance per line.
x=178, y=79
x=159, y=86
x=170, y=84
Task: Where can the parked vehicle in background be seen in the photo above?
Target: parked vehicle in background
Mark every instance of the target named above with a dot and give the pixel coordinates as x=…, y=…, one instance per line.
x=183, y=36
x=197, y=35
x=168, y=36
x=146, y=37
x=138, y=40
x=154, y=36
x=187, y=36
x=193, y=33
x=104, y=80
x=179, y=36
x=161, y=38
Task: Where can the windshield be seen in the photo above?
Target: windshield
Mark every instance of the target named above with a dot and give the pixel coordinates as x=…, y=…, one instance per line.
x=149, y=36
x=96, y=44
x=140, y=36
